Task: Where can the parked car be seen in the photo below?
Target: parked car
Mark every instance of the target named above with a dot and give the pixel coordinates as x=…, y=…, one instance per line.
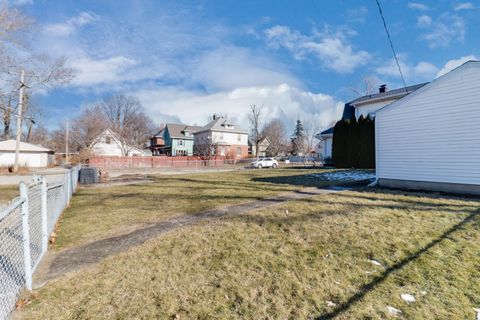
x=265, y=163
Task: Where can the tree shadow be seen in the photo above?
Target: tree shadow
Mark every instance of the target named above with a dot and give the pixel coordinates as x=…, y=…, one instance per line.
x=360, y=294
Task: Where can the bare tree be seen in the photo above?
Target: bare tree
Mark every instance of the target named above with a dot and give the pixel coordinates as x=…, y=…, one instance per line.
x=204, y=147
x=126, y=117
x=255, y=125
x=311, y=129
x=38, y=134
x=86, y=127
x=275, y=132
x=367, y=86
x=42, y=71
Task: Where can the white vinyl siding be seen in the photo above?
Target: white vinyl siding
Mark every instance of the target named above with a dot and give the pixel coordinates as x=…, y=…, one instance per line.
x=370, y=109
x=433, y=134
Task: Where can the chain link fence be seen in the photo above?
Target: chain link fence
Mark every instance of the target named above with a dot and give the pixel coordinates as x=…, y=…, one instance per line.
x=26, y=223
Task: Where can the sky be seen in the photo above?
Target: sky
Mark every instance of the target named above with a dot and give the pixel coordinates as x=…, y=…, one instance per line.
x=186, y=60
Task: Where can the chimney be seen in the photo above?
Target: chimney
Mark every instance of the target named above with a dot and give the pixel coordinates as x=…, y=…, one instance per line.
x=383, y=88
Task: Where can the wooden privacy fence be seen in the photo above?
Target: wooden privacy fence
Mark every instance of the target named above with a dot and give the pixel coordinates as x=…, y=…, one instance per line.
x=112, y=163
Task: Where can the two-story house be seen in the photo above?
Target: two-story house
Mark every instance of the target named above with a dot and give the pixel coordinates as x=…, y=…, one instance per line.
x=174, y=140
x=223, y=138
x=364, y=106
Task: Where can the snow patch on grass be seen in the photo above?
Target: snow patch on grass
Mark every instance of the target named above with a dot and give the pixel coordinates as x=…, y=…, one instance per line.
x=350, y=175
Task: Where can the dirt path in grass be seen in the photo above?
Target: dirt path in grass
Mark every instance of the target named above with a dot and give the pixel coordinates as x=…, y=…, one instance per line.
x=57, y=264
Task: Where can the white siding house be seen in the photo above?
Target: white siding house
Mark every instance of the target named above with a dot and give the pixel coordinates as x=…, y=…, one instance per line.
x=108, y=144
x=365, y=106
x=31, y=156
x=430, y=139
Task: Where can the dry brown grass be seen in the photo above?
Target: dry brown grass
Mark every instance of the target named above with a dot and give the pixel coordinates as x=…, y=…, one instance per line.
x=8, y=192
x=102, y=212
x=287, y=262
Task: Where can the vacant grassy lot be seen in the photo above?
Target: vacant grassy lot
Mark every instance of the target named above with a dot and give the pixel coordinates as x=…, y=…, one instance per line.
x=305, y=259
x=102, y=212
x=7, y=193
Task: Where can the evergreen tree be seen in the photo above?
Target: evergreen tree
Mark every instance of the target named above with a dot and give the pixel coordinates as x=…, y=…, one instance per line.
x=339, y=147
x=298, y=139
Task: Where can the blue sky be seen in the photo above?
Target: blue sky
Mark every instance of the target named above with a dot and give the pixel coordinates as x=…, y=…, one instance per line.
x=186, y=60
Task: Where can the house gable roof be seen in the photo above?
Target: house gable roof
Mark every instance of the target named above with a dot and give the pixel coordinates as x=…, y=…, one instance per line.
x=388, y=95
x=328, y=131
x=177, y=131
x=349, y=108
x=10, y=145
x=221, y=124
x=115, y=137
x=449, y=74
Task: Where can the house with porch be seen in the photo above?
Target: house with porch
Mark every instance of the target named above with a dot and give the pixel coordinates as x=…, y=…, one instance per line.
x=222, y=137
x=174, y=140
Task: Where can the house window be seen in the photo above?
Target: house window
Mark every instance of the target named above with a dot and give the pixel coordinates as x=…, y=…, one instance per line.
x=180, y=142
x=239, y=137
x=239, y=152
x=221, y=136
x=108, y=140
x=222, y=151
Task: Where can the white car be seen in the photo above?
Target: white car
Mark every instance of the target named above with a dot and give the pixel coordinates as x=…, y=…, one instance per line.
x=265, y=163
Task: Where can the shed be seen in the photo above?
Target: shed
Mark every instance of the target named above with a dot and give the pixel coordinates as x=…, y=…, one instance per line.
x=32, y=156
x=430, y=139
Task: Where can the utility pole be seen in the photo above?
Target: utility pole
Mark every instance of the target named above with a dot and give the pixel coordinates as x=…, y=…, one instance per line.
x=19, y=120
x=66, y=145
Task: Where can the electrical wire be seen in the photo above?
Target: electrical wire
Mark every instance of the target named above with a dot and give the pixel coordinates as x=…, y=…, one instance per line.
x=391, y=44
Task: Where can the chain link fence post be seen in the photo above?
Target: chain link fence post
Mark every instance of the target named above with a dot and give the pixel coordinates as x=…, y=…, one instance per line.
x=26, y=237
x=44, y=215
x=69, y=181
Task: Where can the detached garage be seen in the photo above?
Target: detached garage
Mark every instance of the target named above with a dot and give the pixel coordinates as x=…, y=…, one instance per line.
x=31, y=155
x=430, y=139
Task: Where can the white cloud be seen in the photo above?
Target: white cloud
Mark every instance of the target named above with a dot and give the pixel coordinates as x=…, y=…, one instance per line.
x=424, y=21
x=332, y=49
x=464, y=6
x=71, y=25
x=418, y=6
x=442, y=31
x=283, y=101
x=454, y=63
x=422, y=71
x=90, y=71
x=239, y=67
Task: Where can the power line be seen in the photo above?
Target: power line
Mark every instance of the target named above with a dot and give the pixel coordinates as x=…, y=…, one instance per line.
x=391, y=44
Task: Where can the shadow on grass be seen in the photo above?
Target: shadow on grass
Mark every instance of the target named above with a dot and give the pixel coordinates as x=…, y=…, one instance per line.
x=397, y=266
x=307, y=180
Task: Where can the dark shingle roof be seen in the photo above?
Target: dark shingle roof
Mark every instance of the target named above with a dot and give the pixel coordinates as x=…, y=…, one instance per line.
x=222, y=125
x=177, y=130
x=328, y=131
x=385, y=95
x=349, y=109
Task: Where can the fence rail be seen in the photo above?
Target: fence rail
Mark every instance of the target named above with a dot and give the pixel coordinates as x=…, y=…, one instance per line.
x=26, y=223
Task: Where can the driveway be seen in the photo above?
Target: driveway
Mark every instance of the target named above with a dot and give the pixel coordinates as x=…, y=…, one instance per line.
x=52, y=175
